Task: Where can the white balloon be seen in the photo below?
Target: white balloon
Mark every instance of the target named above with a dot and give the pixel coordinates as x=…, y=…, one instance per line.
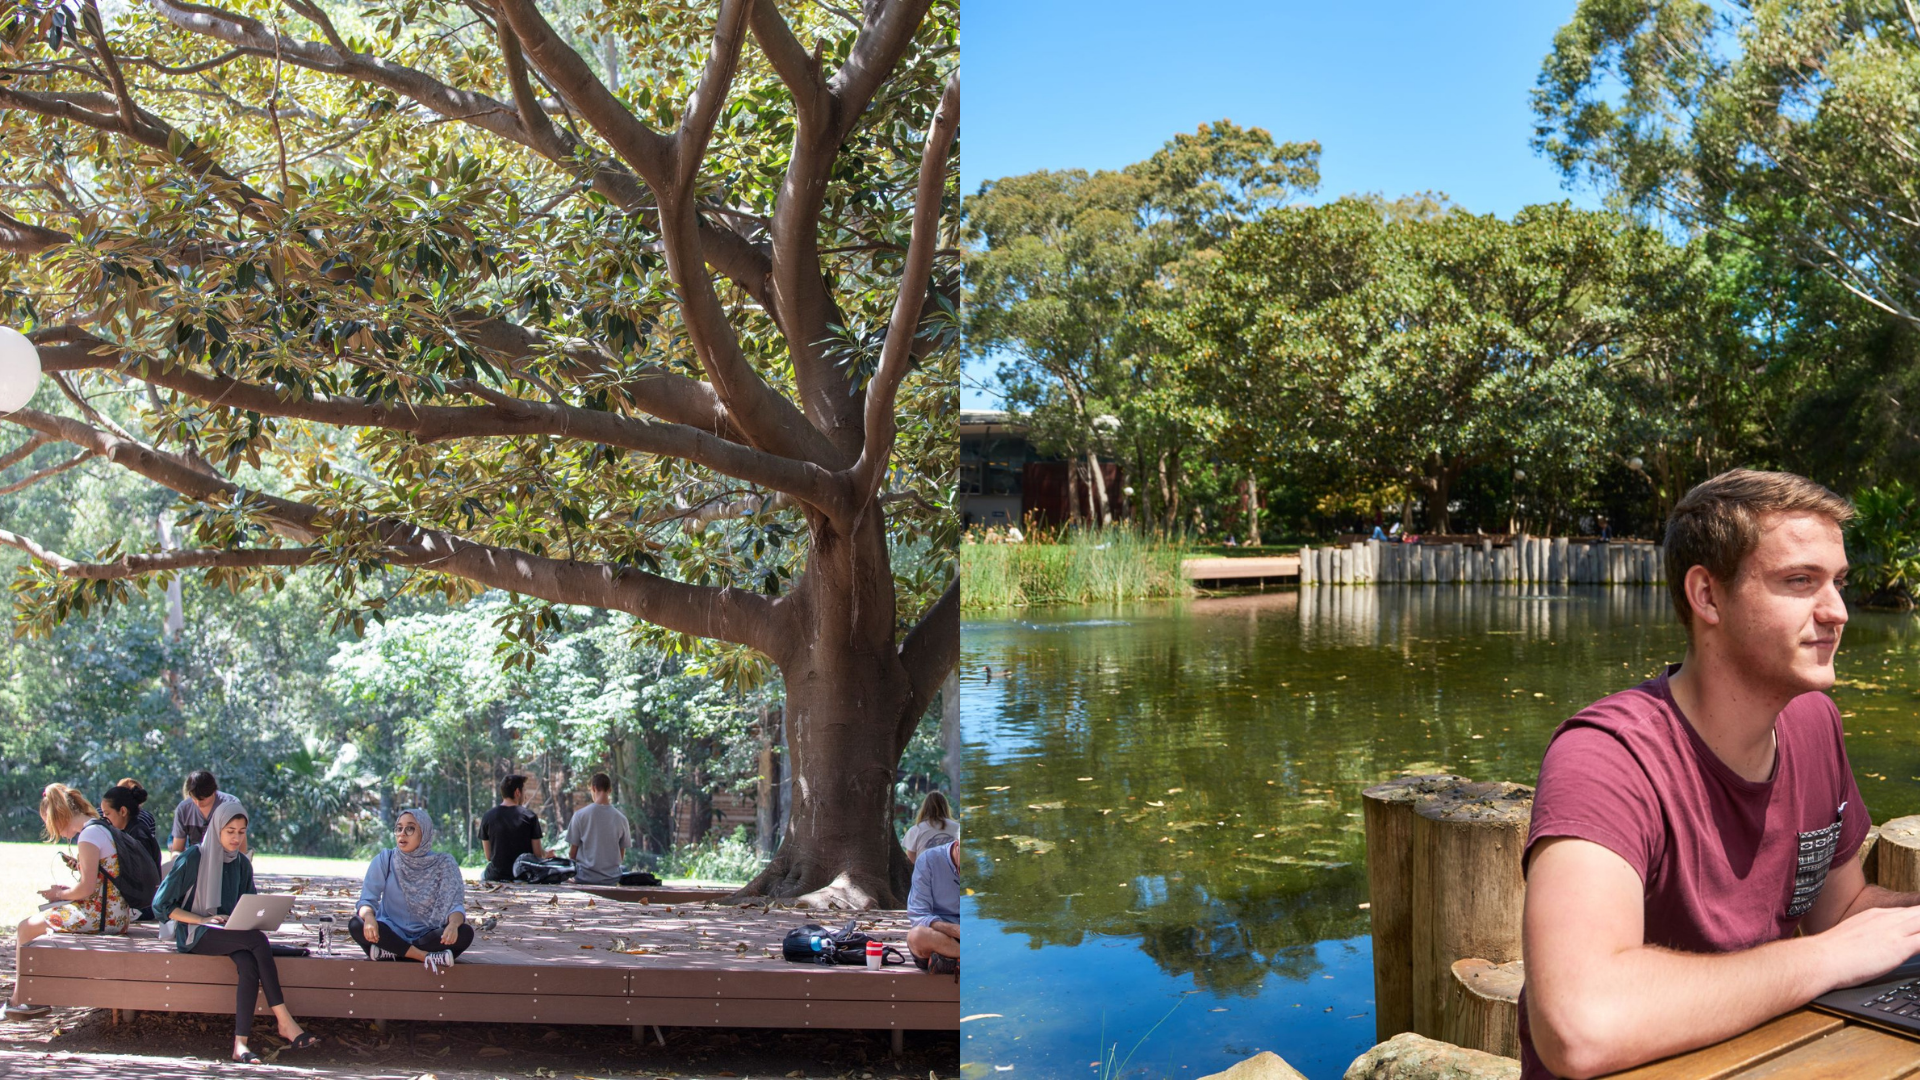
x=19, y=370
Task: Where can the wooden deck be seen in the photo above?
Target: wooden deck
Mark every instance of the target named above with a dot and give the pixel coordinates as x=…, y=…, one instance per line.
x=549, y=955
x=1802, y=1045
x=1247, y=571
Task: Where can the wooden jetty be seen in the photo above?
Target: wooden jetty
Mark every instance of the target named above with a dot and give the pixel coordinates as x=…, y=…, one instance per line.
x=549, y=955
x=1231, y=572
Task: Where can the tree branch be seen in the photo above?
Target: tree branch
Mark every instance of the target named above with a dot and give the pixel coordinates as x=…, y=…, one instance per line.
x=21, y=238
x=51, y=470
x=507, y=416
x=896, y=354
x=24, y=451
x=647, y=151
x=703, y=108
x=930, y=651
x=727, y=614
x=127, y=566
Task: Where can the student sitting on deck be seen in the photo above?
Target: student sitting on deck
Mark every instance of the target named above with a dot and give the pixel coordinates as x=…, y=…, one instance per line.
x=198, y=796
x=509, y=831
x=932, y=827
x=413, y=901
x=93, y=910
x=598, y=838
x=120, y=805
x=206, y=881
x=934, y=903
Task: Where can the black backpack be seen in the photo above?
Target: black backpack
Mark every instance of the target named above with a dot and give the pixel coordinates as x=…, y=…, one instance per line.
x=541, y=872
x=815, y=944
x=139, y=876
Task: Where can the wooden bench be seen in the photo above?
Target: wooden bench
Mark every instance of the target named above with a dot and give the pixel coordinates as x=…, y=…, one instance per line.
x=549, y=956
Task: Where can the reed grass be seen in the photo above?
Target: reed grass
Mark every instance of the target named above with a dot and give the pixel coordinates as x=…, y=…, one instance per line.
x=1080, y=567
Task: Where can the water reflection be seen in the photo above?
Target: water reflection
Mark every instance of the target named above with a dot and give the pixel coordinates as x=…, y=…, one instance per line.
x=1183, y=780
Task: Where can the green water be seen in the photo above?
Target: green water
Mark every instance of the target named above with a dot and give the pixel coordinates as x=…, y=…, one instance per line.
x=1163, y=799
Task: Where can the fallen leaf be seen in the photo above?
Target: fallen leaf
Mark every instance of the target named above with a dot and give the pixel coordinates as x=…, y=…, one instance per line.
x=1055, y=805
x=1002, y=788
x=1083, y=779
x=1175, y=790
x=978, y=1016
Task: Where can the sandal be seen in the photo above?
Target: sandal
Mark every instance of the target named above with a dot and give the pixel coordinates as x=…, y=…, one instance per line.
x=24, y=1012
x=247, y=1057
x=306, y=1039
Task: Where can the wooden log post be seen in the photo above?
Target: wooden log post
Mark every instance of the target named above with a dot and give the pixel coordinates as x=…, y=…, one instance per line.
x=1388, y=812
x=1467, y=886
x=1896, y=855
x=1560, y=567
x=1868, y=864
x=1483, y=1007
x=1306, y=565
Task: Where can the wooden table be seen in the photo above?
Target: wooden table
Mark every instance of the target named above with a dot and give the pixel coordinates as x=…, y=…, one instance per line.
x=1802, y=1045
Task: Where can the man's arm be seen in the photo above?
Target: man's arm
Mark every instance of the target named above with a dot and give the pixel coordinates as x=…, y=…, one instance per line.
x=1599, y=999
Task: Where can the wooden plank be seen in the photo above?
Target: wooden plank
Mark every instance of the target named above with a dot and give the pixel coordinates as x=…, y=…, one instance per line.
x=1853, y=1053
x=530, y=1008
x=1723, y=1059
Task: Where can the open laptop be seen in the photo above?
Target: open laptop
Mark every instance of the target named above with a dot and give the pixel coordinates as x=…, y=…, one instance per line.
x=1891, y=1002
x=256, y=912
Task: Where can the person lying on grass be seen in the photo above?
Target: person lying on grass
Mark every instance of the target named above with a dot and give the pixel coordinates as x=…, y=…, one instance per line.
x=934, y=903
x=1684, y=831
x=206, y=881
x=89, y=909
x=414, y=904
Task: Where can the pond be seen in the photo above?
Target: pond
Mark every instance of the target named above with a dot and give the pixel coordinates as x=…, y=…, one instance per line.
x=1163, y=800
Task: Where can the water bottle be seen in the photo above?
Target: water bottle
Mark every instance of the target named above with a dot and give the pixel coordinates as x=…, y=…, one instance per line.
x=874, y=955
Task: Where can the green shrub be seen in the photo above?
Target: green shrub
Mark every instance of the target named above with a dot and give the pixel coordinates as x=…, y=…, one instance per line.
x=1883, y=546
x=732, y=859
x=1090, y=566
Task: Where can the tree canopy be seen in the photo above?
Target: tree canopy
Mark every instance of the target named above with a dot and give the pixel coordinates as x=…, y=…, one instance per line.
x=431, y=299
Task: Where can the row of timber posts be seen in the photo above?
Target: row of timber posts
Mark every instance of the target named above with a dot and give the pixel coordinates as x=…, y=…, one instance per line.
x=1446, y=894
x=1535, y=560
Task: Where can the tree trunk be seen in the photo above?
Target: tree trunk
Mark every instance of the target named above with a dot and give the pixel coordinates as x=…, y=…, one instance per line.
x=1103, y=512
x=849, y=699
x=1438, y=519
x=1073, y=492
x=1169, y=501
x=1253, y=509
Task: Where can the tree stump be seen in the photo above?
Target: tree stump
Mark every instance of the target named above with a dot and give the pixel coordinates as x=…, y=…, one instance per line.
x=1868, y=864
x=1896, y=855
x=1482, y=1011
x=1389, y=823
x=1467, y=886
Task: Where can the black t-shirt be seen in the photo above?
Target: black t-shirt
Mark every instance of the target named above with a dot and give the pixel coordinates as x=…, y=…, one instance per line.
x=511, y=830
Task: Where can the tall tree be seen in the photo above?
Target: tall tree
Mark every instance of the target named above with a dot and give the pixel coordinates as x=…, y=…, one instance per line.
x=1369, y=347
x=470, y=318
x=1788, y=122
x=1061, y=267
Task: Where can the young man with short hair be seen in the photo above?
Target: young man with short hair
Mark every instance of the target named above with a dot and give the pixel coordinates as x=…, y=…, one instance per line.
x=1685, y=830
x=598, y=836
x=198, y=796
x=509, y=831
x=933, y=902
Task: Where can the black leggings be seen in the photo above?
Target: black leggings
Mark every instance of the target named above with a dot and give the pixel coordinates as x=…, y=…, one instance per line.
x=254, y=961
x=390, y=939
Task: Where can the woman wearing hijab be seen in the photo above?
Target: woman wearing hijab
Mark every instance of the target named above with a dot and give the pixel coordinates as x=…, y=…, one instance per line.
x=414, y=904
x=206, y=881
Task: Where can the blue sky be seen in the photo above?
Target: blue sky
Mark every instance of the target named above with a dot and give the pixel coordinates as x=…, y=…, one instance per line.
x=1402, y=96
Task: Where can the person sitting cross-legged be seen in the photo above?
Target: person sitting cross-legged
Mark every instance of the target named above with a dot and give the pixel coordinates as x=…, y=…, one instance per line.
x=414, y=904
x=934, y=903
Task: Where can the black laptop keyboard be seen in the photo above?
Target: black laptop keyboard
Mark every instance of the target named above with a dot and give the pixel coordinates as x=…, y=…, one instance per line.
x=1902, y=1000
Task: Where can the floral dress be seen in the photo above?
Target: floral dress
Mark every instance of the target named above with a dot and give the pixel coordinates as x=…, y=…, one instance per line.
x=84, y=916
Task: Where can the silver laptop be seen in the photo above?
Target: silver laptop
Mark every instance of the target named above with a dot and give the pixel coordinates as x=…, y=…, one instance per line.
x=256, y=912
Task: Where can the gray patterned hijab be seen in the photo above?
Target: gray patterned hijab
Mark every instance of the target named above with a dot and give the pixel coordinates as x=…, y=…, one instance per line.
x=429, y=880
x=206, y=885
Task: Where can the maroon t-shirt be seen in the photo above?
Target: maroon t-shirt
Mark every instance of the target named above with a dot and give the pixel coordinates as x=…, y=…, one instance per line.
x=1727, y=863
